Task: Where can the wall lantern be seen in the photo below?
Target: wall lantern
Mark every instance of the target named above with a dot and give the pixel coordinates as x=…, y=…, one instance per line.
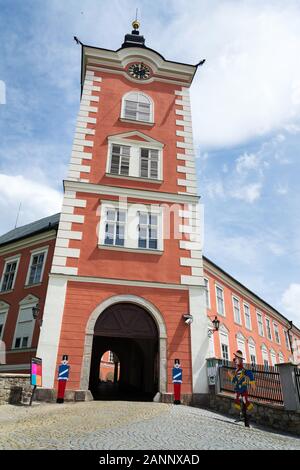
x=216, y=326
x=35, y=314
x=188, y=319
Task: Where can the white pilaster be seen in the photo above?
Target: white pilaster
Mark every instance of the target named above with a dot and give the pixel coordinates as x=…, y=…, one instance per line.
x=50, y=330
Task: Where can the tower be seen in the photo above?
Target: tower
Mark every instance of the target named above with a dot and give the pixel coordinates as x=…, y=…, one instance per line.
x=127, y=265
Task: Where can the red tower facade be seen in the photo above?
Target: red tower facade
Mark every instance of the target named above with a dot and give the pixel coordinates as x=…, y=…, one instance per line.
x=127, y=264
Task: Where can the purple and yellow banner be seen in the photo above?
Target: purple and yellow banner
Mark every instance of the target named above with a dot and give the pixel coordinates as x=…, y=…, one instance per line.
x=36, y=372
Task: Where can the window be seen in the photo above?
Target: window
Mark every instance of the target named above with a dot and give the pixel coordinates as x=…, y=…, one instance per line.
x=225, y=352
x=131, y=226
x=134, y=155
x=9, y=274
x=149, y=163
x=265, y=355
x=206, y=287
x=120, y=157
x=24, y=327
x=266, y=363
x=273, y=357
x=147, y=230
x=36, y=268
x=4, y=307
x=240, y=340
x=260, y=324
x=253, y=359
x=287, y=341
x=247, y=317
x=220, y=300
x=115, y=227
x=276, y=333
x=137, y=107
x=2, y=321
x=268, y=327
x=281, y=357
x=236, y=310
x=110, y=356
x=224, y=342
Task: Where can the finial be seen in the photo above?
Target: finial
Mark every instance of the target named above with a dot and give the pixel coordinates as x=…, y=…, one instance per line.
x=135, y=24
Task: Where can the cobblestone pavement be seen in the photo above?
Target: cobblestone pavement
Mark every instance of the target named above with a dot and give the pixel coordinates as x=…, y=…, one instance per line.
x=129, y=425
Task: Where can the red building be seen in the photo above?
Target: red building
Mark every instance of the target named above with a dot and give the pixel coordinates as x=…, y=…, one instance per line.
x=122, y=266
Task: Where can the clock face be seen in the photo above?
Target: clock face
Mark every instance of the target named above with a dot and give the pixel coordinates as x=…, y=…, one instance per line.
x=139, y=71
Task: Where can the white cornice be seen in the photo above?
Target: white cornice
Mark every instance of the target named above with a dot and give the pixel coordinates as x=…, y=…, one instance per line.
x=120, y=282
x=120, y=59
x=28, y=241
x=129, y=192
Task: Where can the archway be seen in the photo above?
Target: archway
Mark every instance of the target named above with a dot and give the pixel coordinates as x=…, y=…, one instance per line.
x=131, y=333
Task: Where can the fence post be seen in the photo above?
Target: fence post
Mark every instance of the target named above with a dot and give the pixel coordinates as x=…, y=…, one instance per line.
x=213, y=374
x=289, y=388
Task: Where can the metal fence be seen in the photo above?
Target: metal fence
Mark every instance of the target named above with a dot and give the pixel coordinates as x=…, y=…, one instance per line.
x=267, y=382
x=297, y=378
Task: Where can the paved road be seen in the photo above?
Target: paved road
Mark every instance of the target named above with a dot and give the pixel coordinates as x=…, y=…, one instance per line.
x=129, y=425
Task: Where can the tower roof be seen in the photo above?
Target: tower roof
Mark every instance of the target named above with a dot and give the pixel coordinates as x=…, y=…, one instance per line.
x=134, y=39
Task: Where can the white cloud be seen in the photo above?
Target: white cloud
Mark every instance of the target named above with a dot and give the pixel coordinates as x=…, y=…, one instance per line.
x=248, y=193
x=38, y=200
x=291, y=302
x=247, y=162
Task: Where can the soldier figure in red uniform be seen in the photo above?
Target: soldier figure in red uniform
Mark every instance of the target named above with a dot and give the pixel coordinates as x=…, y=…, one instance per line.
x=63, y=376
x=177, y=381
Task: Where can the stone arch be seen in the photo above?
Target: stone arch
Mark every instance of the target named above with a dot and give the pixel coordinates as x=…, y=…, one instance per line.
x=89, y=335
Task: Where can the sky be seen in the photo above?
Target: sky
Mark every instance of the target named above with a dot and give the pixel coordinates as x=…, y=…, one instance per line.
x=245, y=107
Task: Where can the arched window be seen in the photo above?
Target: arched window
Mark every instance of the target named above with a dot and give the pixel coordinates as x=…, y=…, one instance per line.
x=137, y=107
x=240, y=340
x=252, y=351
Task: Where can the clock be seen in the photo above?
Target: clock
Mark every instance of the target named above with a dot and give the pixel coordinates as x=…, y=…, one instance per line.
x=139, y=71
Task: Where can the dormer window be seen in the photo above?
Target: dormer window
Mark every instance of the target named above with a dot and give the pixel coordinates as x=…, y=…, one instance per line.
x=137, y=107
x=135, y=155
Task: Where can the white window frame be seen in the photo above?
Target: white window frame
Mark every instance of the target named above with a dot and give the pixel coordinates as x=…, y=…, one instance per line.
x=207, y=292
x=234, y=297
x=245, y=304
x=29, y=302
x=287, y=341
x=262, y=323
x=131, y=224
x=135, y=158
x=38, y=251
x=280, y=357
x=110, y=357
x=4, y=308
x=252, y=350
x=6, y=262
x=267, y=319
x=218, y=286
x=276, y=328
x=264, y=353
x=224, y=334
x=240, y=339
x=273, y=357
x=125, y=97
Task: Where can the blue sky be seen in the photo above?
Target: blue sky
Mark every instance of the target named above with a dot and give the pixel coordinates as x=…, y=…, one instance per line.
x=246, y=118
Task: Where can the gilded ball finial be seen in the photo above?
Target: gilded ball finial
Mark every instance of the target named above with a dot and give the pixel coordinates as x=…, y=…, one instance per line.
x=135, y=24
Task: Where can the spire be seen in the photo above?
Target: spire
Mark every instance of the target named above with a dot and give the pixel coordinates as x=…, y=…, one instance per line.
x=134, y=39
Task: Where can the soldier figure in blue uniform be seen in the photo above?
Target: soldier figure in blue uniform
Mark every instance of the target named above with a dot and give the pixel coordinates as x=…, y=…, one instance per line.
x=63, y=376
x=177, y=381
